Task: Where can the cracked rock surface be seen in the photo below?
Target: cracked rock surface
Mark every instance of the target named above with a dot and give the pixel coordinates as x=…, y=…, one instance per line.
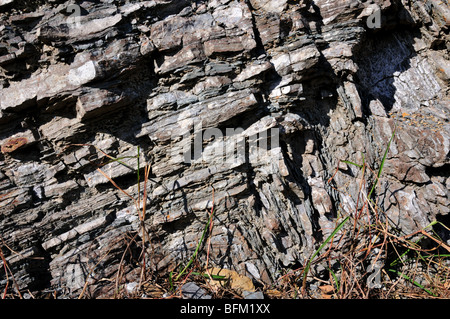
x=311, y=81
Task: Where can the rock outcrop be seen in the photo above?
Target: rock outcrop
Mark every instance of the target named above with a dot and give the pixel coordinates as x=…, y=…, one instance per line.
x=274, y=92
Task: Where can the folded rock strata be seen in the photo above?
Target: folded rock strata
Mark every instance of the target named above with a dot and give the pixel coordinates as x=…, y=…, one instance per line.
x=298, y=85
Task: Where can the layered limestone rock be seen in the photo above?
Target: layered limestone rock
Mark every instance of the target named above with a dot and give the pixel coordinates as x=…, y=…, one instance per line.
x=274, y=92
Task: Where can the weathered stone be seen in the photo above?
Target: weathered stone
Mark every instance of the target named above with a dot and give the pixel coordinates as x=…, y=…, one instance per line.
x=60, y=127
x=5, y=2
x=209, y=112
x=269, y=5
x=355, y=101
x=99, y=102
x=252, y=71
x=59, y=189
x=296, y=61
x=237, y=44
x=253, y=295
x=14, y=198
x=114, y=169
x=174, y=32
x=55, y=80
x=339, y=10
x=292, y=88
x=191, y=291
x=35, y=173
x=79, y=27
x=77, y=231
x=187, y=55
x=269, y=28
x=17, y=141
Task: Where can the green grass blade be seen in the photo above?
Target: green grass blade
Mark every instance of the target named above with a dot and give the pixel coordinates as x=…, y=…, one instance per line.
x=139, y=180
x=308, y=265
x=215, y=277
x=351, y=163
x=412, y=281
x=138, y=164
x=171, y=280
x=336, y=282
x=197, y=248
x=399, y=258
x=382, y=162
x=119, y=160
x=438, y=256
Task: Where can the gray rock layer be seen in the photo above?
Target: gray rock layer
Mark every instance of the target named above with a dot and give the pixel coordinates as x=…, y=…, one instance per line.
x=330, y=78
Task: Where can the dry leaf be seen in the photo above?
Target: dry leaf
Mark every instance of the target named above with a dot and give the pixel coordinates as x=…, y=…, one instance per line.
x=447, y=285
x=233, y=280
x=153, y=290
x=327, y=289
x=273, y=293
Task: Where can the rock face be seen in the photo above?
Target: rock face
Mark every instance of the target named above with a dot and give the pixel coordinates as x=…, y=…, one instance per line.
x=291, y=86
